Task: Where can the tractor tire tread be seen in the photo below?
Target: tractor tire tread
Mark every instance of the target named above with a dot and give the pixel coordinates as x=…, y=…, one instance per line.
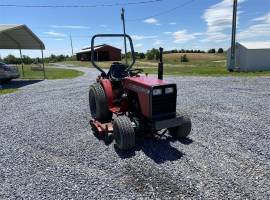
x=102, y=112
x=183, y=130
x=126, y=138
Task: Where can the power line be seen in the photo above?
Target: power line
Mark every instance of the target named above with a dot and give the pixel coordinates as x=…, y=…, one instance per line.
x=164, y=12
x=80, y=6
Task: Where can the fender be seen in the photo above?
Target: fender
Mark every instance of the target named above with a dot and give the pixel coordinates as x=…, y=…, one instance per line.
x=107, y=86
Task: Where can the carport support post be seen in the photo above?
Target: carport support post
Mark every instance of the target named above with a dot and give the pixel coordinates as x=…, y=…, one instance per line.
x=42, y=59
x=22, y=62
x=232, y=60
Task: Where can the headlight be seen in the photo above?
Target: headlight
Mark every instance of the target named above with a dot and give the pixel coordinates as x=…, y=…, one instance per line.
x=157, y=92
x=169, y=90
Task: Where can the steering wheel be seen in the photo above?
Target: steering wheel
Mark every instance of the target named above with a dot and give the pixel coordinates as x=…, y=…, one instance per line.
x=134, y=72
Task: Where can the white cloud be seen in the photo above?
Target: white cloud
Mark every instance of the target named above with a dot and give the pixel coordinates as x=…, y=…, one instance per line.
x=158, y=42
x=69, y=26
x=258, y=30
x=103, y=25
x=151, y=21
x=183, y=36
x=172, y=23
x=52, y=33
x=261, y=29
x=58, y=39
x=142, y=37
x=219, y=20
x=167, y=32
x=139, y=45
x=265, y=18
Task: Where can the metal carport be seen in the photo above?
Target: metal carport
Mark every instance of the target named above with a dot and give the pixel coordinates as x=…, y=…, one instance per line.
x=20, y=37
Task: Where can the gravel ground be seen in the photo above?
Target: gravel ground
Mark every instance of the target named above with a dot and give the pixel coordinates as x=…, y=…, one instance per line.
x=47, y=150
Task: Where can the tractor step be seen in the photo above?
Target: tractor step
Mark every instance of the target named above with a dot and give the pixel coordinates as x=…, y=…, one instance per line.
x=102, y=128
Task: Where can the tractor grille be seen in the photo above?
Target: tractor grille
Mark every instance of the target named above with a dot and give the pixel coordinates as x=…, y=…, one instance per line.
x=163, y=106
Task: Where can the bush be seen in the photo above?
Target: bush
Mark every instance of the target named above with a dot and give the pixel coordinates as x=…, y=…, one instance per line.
x=220, y=50
x=184, y=58
x=141, y=55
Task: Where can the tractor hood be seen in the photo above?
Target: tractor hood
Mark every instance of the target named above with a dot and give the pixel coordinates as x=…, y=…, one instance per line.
x=146, y=81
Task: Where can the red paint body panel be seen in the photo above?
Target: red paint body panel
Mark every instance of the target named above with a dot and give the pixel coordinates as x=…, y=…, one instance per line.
x=106, y=83
x=145, y=106
x=146, y=81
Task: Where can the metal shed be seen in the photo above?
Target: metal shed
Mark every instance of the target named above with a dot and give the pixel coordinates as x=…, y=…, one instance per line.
x=20, y=37
x=250, y=57
x=103, y=52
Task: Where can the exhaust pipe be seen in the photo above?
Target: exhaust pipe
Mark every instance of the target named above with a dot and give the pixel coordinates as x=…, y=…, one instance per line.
x=160, y=64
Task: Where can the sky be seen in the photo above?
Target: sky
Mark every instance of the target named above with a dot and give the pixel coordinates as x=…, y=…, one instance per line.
x=172, y=24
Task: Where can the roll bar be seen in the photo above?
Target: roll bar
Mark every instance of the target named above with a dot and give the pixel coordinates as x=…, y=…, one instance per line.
x=111, y=35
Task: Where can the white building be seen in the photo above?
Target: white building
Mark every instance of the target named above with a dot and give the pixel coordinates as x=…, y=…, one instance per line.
x=251, y=57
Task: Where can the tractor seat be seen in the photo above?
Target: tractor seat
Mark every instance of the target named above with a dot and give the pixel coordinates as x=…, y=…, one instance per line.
x=117, y=71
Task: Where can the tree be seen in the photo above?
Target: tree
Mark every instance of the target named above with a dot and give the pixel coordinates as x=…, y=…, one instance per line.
x=141, y=55
x=11, y=59
x=184, y=58
x=27, y=60
x=212, y=51
x=220, y=50
x=152, y=54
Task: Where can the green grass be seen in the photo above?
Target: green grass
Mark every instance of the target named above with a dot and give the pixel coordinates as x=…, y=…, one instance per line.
x=77, y=63
x=199, y=65
x=7, y=91
x=51, y=73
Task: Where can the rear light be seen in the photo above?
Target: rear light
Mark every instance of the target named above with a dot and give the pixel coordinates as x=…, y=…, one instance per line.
x=169, y=90
x=157, y=92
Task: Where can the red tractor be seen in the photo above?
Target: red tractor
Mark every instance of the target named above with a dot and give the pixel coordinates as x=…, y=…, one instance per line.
x=124, y=103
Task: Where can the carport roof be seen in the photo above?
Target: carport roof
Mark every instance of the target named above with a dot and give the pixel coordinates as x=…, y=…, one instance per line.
x=18, y=37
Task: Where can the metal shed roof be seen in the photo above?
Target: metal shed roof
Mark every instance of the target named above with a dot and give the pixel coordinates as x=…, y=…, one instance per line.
x=18, y=37
x=255, y=45
x=88, y=49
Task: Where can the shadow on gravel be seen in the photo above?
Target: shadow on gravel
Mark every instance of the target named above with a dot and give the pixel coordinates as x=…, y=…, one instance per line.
x=158, y=149
x=14, y=84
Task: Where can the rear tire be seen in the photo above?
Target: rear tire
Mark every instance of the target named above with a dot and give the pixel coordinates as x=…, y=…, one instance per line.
x=124, y=134
x=183, y=130
x=98, y=104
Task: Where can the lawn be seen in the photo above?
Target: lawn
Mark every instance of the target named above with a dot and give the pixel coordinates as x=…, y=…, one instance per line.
x=200, y=64
x=7, y=91
x=51, y=73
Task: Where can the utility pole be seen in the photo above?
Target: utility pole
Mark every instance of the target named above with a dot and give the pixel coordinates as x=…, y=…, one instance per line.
x=124, y=28
x=71, y=44
x=234, y=21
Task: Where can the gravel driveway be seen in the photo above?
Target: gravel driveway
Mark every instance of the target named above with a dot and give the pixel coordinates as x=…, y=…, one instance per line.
x=47, y=150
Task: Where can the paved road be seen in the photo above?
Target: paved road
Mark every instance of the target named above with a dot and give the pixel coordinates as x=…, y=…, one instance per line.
x=47, y=150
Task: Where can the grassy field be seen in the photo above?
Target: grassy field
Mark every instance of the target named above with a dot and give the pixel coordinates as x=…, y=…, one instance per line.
x=7, y=91
x=200, y=64
x=51, y=73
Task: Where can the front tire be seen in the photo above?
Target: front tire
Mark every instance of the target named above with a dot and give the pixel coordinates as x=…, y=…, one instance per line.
x=124, y=134
x=98, y=104
x=183, y=130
